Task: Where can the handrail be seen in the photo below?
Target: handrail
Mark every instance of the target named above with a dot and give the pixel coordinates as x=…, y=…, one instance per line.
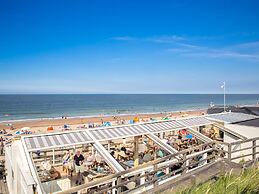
x=244, y=141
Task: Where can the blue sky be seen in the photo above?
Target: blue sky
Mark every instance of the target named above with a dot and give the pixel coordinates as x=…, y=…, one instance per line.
x=129, y=46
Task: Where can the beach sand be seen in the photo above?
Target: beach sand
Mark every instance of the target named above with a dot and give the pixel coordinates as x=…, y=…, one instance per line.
x=40, y=125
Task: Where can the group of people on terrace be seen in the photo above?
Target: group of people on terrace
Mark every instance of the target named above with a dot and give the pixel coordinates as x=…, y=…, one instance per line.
x=81, y=163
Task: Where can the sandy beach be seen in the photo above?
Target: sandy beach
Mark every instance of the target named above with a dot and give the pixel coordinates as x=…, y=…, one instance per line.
x=40, y=125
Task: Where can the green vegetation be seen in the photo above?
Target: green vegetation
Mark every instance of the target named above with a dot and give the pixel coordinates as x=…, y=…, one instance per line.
x=245, y=183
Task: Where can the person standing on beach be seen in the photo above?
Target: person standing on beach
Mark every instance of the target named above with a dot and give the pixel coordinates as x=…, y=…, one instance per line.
x=2, y=146
x=79, y=168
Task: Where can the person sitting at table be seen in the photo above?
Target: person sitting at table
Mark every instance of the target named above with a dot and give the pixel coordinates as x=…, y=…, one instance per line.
x=160, y=173
x=78, y=159
x=141, y=156
x=113, y=153
x=100, y=168
x=177, y=144
x=160, y=153
x=180, y=136
x=125, y=150
x=148, y=156
x=98, y=158
x=122, y=155
x=194, y=141
x=90, y=157
x=171, y=140
x=54, y=174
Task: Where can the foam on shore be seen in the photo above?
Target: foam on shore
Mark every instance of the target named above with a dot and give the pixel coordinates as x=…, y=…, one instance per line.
x=100, y=116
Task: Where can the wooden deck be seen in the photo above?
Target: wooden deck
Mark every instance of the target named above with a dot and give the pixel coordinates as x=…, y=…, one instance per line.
x=3, y=187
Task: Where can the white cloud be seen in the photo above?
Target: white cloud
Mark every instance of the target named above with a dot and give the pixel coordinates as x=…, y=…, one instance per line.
x=123, y=38
x=154, y=39
x=184, y=46
x=191, y=50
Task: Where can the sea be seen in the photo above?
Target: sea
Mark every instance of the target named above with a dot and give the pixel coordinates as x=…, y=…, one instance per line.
x=23, y=107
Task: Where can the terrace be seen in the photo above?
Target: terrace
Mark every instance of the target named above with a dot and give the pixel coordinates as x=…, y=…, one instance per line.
x=119, y=149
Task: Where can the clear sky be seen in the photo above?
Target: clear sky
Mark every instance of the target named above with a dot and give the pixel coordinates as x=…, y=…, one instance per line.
x=59, y=46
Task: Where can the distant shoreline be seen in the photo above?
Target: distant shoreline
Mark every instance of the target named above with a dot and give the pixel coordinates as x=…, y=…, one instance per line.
x=111, y=115
x=40, y=125
x=75, y=122
x=20, y=108
x=100, y=116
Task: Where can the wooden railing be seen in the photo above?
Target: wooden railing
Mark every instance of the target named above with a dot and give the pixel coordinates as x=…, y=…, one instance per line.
x=146, y=174
x=240, y=150
x=157, y=172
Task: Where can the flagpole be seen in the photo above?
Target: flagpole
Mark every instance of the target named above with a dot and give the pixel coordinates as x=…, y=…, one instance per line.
x=224, y=85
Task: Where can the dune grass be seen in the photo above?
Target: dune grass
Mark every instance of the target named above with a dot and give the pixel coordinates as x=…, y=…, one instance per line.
x=245, y=183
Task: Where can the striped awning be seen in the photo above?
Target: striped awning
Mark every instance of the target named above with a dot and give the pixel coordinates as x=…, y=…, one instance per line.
x=195, y=121
x=52, y=140
x=162, y=126
x=56, y=140
x=117, y=132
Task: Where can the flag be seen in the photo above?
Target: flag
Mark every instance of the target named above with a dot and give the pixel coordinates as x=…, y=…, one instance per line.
x=223, y=86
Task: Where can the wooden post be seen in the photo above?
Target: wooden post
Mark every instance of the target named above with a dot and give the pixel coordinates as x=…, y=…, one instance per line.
x=74, y=148
x=109, y=146
x=184, y=163
x=53, y=156
x=156, y=182
x=136, y=150
x=142, y=180
x=215, y=153
x=167, y=170
x=254, y=149
x=113, y=184
x=229, y=152
x=118, y=182
x=161, y=135
x=205, y=155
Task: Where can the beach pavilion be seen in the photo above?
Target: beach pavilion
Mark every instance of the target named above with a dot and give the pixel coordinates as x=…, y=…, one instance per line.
x=25, y=157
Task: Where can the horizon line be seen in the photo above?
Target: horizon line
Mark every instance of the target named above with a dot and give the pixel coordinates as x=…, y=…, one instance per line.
x=127, y=93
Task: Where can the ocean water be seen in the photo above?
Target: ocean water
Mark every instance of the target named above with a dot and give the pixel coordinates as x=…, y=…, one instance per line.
x=16, y=107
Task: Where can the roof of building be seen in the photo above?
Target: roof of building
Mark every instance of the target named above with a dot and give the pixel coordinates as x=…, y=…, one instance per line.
x=252, y=123
x=52, y=140
x=246, y=131
x=231, y=117
x=254, y=110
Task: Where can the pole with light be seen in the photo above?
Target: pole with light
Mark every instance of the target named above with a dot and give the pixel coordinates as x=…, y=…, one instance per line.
x=224, y=91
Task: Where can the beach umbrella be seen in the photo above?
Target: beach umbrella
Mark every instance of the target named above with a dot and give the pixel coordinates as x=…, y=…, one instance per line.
x=18, y=133
x=189, y=136
x=107, y=124
x=136, y=119
x=50, y=128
